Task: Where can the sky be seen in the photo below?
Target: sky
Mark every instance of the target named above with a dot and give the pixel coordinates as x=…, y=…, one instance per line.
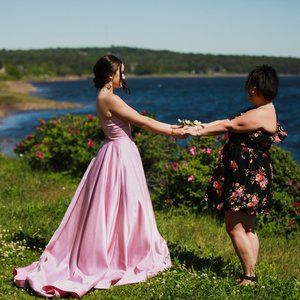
x=251, y=27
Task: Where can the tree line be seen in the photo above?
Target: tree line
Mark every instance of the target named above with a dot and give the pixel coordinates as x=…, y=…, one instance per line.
x=80, y=61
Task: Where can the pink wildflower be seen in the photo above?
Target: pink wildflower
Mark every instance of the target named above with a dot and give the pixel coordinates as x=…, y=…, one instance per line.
x=191, y=178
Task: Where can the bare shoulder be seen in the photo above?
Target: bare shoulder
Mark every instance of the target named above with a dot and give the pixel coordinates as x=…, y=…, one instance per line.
x=267, y=115
x=105, y=102
x=267, y=112
x=110, y=100
x=260, y=113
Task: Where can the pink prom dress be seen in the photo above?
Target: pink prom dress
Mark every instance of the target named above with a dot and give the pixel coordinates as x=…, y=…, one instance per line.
x=108, y=235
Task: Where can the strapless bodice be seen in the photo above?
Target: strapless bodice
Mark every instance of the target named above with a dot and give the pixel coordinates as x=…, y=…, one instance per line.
x=115, y=128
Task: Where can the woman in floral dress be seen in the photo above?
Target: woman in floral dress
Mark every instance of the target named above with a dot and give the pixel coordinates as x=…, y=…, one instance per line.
x=242, y=181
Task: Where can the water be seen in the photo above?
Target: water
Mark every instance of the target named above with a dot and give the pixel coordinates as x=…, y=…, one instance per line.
x=204, y=99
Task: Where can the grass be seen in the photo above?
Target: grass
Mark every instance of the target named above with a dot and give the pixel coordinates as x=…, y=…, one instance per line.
x=32, y=204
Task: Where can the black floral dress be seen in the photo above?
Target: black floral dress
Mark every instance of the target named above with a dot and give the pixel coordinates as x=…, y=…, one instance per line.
x=243, y=177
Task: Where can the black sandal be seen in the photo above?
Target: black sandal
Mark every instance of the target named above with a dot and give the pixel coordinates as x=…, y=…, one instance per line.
x=253, y=279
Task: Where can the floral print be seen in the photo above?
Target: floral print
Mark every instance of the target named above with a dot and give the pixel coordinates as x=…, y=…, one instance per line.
x=243, y=177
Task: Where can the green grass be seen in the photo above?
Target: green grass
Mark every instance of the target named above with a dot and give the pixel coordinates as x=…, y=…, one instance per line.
x=32, y=204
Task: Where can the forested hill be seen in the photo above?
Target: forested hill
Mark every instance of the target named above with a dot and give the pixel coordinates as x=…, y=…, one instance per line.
x=79, y=61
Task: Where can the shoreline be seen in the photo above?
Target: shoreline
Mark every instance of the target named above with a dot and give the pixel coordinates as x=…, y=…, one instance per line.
x=15, y=96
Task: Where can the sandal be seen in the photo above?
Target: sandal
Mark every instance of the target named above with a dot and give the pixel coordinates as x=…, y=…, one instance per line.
x=253, y=279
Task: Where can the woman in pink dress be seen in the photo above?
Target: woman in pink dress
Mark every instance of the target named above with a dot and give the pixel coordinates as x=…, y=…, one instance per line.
x=108, y=235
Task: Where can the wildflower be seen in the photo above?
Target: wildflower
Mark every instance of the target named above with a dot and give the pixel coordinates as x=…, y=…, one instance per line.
x=291, y=222
x=296, y=204
x=91, y=117
x=76, y=131
x=175, y=165
x=42, y=122
x=193, y=151
x=191, y=178
x=209, y=151
x=90, y=143
x=220, y=151
x=55, y=122
x=21, y=144
x=184, y=164
x=39, y=155
x=29, y=137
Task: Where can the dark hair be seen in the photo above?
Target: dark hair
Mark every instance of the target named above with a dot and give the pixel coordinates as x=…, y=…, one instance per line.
x=105, y=66
x=265, y=79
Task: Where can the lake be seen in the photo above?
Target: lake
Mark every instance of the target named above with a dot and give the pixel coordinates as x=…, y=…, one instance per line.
x=204, y=99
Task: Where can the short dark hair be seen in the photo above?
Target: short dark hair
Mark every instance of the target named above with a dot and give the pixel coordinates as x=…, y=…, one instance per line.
x=265, y=79
x=105, y=66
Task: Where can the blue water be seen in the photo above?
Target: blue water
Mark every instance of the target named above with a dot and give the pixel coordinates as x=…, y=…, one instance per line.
x=204, y=99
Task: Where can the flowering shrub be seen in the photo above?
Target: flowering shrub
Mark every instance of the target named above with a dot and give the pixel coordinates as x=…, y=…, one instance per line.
x=69, y=143
x=183, y=181
x=65, y=144
x=177, y=176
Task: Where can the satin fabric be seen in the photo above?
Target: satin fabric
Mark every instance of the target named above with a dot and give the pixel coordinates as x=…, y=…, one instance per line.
x=108, y=235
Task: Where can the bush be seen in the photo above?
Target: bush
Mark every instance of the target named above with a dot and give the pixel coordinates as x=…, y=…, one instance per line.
x=177, y=176
x=65, y=144
x=183, y=181
x=69, y=143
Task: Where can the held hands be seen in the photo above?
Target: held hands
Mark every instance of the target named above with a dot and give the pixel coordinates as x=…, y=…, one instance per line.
x=194, y=130
x=183, y=131
x=178, y=131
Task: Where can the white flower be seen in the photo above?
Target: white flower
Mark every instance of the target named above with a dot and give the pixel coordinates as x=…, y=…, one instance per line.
x=196, y=122
x=188, y=122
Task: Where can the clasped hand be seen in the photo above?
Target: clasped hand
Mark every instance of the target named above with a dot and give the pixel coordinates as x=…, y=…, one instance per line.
x=182, y=132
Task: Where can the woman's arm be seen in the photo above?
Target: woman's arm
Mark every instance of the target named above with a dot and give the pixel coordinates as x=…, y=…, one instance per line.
x=121, y=109
x=249, y=121
x=212, y=123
